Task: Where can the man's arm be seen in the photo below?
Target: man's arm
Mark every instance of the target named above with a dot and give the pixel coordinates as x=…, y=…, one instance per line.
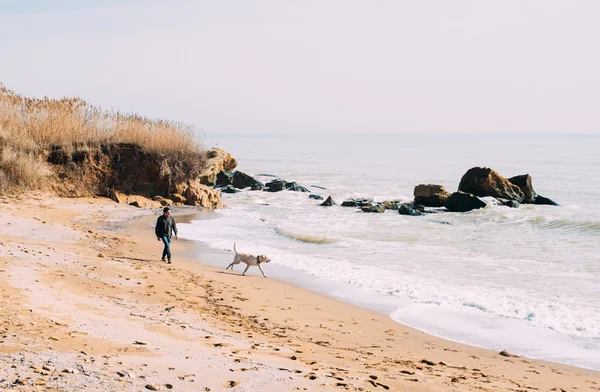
x=174, y=228
x=156, y=228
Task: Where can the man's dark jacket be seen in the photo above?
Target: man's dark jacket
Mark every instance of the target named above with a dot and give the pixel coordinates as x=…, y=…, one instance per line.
x=165, y=225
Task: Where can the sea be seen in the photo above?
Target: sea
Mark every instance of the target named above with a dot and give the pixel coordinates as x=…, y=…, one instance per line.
x=525, y=280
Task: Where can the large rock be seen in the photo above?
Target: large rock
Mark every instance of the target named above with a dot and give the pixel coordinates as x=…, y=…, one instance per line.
x=463, y=202
x=378, y=208
x=197, y=194
x=523, y=181
x=242, y=180
x=390, y=204
x=483, y=181
x=431, y=195
x=223, y=179
x=357, y=202
x=409, y=209
x=328, y=202
x=541, y=200
x=218, y=161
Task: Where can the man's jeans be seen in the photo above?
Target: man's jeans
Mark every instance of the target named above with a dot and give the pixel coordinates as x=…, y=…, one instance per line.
x=167, y=250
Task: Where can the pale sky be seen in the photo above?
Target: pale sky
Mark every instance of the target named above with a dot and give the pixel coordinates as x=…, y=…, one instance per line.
x=316, y=66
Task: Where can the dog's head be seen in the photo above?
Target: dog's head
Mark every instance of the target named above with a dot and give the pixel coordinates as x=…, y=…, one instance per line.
x=262, y=259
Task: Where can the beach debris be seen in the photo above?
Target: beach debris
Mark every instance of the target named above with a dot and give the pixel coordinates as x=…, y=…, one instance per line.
x=153, y=387
x=231, y=384
x=169, y=386
x=101, y=255
x=140, y=343
x=70, y=371
x=169, y=308
x=427, y=362
x=48, y=368
x=505, y=353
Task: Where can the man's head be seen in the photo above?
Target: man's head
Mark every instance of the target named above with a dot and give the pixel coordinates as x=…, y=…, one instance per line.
x=166, y=211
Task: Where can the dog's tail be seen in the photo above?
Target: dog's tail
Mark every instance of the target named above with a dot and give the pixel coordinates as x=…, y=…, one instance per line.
x=235, y=250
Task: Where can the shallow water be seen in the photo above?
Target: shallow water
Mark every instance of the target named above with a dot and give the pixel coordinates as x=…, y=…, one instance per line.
x=526, y=279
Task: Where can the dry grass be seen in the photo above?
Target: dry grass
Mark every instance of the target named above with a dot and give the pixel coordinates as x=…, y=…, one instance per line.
x=74, y=122
x=29, y=127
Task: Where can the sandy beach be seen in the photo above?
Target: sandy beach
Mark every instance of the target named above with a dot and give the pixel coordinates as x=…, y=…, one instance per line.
x=88, y=306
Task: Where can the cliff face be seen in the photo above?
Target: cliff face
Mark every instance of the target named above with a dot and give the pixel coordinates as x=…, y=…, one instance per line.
x=129, y=174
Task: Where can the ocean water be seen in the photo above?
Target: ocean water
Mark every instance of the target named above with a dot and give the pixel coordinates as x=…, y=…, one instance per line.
x=525, y=279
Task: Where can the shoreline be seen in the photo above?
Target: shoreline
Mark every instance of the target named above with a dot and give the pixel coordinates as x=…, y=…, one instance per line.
x=530, y=343
x=219, y=321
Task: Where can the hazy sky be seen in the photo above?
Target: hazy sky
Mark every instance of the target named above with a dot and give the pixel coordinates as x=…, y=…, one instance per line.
x=314, y=66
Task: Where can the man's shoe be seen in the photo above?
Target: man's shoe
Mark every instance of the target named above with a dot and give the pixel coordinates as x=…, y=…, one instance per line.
x=162, y=259
x=169, y=262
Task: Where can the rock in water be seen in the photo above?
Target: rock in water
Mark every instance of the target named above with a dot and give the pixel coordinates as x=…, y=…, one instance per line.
x=523, y=181
x=328, y=203
x=510, y=203
x=541, y=200
x=409, y=209
x=275, y=186
x=357, y=202
x=390, y=205
x=315, y=197
x=242, y=180
x=483, y=181
x=223, y=178
x=229, y=189
x=293, y=186
x=463, y=202
x=431, y=195
x=378, y=208
x=217, y=161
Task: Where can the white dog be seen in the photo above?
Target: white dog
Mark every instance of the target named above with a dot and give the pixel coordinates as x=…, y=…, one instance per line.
x=249, y=260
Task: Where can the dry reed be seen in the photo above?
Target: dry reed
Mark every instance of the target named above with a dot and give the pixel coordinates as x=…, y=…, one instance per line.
x=30, y=126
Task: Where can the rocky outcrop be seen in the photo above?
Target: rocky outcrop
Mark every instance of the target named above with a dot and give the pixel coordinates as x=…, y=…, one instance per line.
x=217, y=161
x=483, y=181
x=279, y=185
x=463, y=202
x=328, y=202
x=524, y=183
x=377, y=208
x=197, y=194
x=357, y=202
x=409, y=209
x=431, y=195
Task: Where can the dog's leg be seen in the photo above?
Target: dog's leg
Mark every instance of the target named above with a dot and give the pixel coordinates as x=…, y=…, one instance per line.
x=230, y=266
x=247, y=266
x=260, y=268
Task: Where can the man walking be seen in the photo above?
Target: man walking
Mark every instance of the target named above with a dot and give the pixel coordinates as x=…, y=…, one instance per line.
x=165, y=226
